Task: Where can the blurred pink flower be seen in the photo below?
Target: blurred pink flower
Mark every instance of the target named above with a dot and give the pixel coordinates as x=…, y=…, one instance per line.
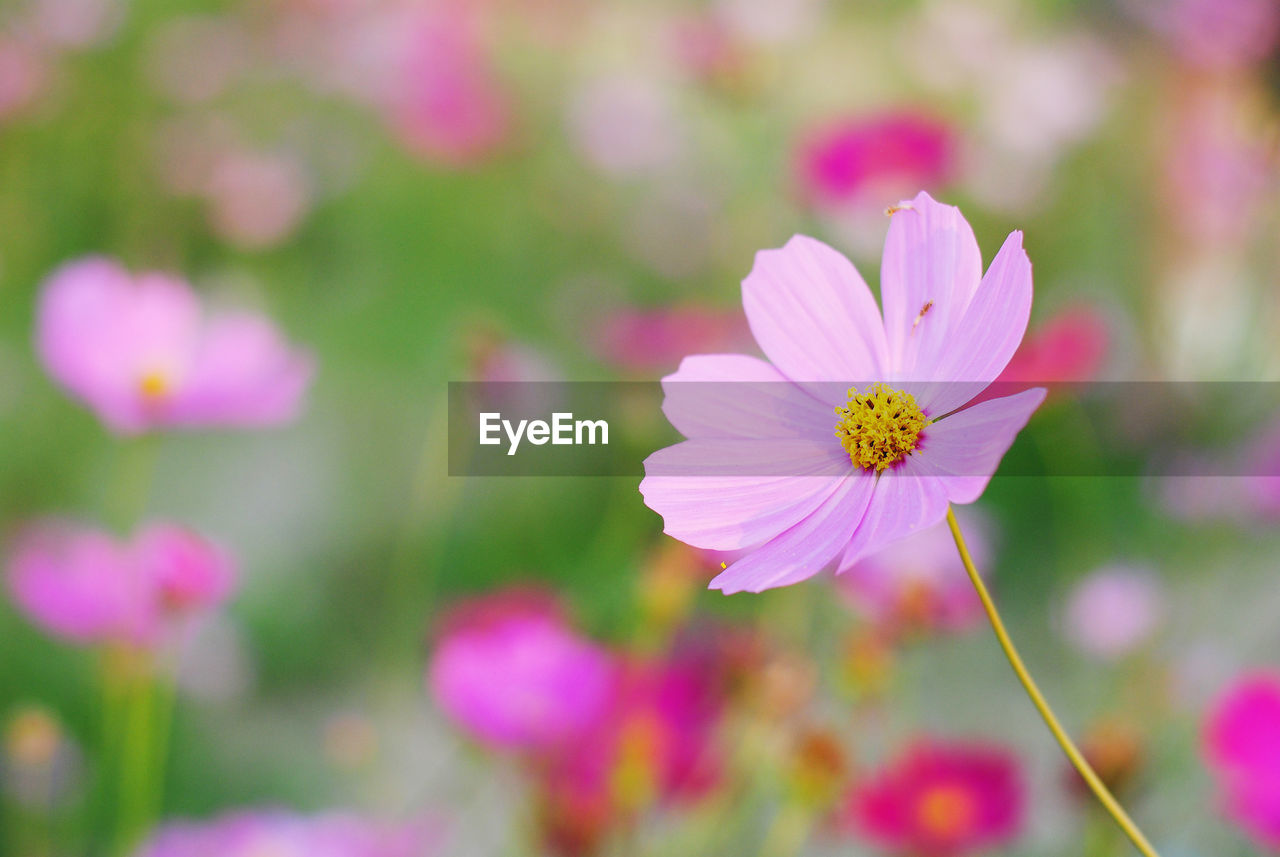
x=1071, y=346
x=919, y=583
x=24, y=73
x=644, y=341
x=875, y=158
x=1220, y=34
x=625, y=125
x=1242, y=748
x=445, y=100
x=1221, y=166
x=510, y=671
x=941, y=800
x=86, y=587
x=257, y=199
x=257, y=833
x=137, y=350
x=761, y=468
x=654, y=744
x=1114, y=610
x=74, y=23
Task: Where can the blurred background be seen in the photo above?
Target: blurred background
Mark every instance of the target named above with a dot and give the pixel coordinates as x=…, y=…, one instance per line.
x=404, y=193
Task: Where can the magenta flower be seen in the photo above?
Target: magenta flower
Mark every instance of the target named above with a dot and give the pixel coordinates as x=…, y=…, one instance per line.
x=851, y=158
x=84, y=586
x=655, y=744
x=941, y=800
x=919, y=583
x=138, y=351
x=256, y=833
x=855, y=433
x=1242, y=748
x=510, y=671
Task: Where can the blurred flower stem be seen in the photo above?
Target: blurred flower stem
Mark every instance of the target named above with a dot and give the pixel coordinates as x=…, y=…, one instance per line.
x=1077, y=758
x=136, y=709
x=127, y=495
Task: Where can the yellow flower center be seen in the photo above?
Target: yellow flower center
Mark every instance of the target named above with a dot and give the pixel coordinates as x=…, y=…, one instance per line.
x=946, y=812
x=154, y=385
x=880, y=427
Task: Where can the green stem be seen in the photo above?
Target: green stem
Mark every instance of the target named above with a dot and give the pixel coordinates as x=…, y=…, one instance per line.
x=1099, y=789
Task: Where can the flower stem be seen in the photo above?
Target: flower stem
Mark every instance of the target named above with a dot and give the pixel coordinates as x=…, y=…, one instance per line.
x=1077, y=758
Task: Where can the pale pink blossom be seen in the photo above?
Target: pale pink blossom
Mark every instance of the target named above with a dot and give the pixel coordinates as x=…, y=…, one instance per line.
x=279, y=833
x=855, y=434
x=1114, y=611
x=141, y=352
x=257, y=199
x=625, y=125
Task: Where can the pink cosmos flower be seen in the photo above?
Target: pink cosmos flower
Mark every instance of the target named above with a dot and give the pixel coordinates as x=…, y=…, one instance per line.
x=136, y=349
x=1114, y=610
x=86, y=587
x=919, y=583
x=256, y=833
x=445, y=101
x=855, y=433
x=880, y=156
x=1242, y=748
x=941, y=800
x=511, y=672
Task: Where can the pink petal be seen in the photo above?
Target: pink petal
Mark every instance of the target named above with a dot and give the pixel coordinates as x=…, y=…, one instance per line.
x=930, y=271
x=978, y=349
x=965, y=449
x=732, y=395
x=806, y=548
x=813, y=315
x=728, y=494
x=906, y=500
x=244, y=374
x=101, y=331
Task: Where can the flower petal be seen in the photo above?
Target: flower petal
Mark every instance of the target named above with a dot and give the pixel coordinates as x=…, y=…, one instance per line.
x=813, y=315
x=906, y=500
x=964, y=450
x=728, y=494
x=733, y=395
x=806, y=548
x=930, y=271
x=981, y=345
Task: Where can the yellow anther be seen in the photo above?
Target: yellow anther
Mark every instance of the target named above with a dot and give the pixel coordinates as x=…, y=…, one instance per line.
x=880, y=427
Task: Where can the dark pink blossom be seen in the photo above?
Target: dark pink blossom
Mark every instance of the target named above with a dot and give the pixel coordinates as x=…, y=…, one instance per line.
x=1242, y=749
x=941, y=800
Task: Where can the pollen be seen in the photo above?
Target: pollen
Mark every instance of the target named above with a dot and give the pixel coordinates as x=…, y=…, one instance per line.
x=946, y=811
x=880, y=427
x=154, y=385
